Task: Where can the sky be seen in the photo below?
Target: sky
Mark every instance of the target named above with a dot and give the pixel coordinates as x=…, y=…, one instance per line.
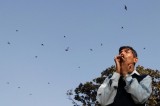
x=50, y=46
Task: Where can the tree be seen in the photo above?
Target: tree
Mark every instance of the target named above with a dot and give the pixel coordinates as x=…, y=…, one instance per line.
x=86, y=93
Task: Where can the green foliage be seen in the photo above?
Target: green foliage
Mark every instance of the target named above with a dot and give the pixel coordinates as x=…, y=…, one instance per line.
x=86, y=93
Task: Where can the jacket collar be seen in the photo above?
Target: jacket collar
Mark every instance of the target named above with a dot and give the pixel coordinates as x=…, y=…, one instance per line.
x=134, y=72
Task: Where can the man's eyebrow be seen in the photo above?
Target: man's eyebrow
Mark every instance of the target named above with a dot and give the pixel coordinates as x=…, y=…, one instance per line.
x=128, y=49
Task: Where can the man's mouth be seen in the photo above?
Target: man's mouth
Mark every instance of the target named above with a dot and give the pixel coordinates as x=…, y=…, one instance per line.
x=122, y=57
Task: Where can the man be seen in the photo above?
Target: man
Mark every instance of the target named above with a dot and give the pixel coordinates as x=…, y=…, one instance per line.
x=126, y=87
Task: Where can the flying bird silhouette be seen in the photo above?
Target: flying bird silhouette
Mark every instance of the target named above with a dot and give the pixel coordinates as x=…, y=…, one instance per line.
x=91, y=49
x=125, y=7
x=67, y=49
x=8, y=43
x=42, y=44
x=30, y=94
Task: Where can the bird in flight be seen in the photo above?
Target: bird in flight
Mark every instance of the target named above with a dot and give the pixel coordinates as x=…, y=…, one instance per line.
x=30, y=94
x=67, y=49
x=17, y=30
x=125, y=7
x=9, y=43
x=42, y=44
x=91, y=49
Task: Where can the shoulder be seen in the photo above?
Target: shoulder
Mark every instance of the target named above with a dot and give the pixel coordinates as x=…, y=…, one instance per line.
x=141, y=77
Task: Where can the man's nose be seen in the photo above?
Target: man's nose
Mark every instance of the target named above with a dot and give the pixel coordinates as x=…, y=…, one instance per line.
x=122, y=53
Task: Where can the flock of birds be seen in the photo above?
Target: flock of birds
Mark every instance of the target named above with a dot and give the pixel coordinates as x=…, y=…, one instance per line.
x=68, y=48
x=8, y=83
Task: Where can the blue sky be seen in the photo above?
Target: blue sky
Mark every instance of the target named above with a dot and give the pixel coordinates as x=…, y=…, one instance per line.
x=86, y=24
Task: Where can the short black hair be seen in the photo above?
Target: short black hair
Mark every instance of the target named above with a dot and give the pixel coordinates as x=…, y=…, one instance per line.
x=129, y=47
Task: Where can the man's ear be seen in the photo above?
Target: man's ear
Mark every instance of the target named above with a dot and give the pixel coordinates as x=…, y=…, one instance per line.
x=135, y=60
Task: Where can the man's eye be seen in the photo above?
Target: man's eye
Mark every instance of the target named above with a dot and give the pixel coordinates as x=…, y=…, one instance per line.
x=127, y=51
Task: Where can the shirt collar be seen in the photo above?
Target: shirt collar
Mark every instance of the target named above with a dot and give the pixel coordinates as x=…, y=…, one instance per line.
x=134, y=72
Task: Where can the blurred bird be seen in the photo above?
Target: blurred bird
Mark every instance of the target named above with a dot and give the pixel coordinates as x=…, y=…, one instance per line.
x=8, y=43
x=122, y=27
x=17, y=30
x=91, y=49
x=48, y=82
x=7, y=82
x=144, y=48
x=42, y=44
x=19, y=87
x=36, y=56
x=101, y=44
x=67, y=49
x=64, y=36
x=125, y=7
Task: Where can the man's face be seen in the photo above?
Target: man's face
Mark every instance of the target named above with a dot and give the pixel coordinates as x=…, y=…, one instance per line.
x=127, y=56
